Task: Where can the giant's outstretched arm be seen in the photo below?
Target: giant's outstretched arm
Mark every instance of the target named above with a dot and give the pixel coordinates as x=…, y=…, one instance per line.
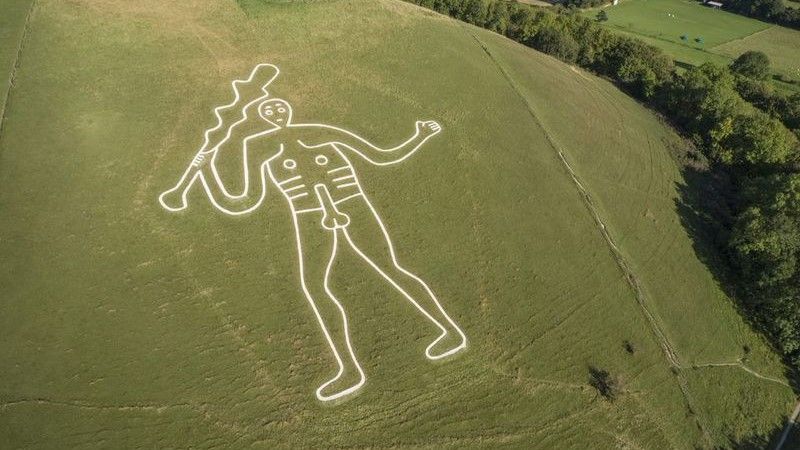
x=202, y=169
x=371, y=152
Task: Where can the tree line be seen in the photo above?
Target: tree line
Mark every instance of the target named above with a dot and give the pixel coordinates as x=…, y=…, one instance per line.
x=774, y=11
x=740, y=124
x=584, y=3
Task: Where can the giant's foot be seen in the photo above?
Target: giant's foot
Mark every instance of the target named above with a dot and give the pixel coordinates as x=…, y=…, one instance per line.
x=347, y=382
x=448, y=343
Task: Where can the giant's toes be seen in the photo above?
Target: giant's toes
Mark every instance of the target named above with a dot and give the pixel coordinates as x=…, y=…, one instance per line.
x=349, y=382
x=445, y=345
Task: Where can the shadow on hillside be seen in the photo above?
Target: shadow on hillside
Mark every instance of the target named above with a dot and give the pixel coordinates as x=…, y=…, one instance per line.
x=683, y=65
x=761, y=442
x=705, y=205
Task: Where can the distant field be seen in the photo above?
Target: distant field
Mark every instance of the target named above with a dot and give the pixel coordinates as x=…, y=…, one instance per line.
x=670, y=19
x=125, y=326
x=710, y=34
x=682, y=53
x=782, y=45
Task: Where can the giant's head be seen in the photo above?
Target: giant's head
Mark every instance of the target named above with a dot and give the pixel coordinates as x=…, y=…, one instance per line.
x=276, y=111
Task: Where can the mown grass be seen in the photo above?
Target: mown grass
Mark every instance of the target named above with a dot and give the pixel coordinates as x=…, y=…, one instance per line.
x=710, y=34
x=123, y=325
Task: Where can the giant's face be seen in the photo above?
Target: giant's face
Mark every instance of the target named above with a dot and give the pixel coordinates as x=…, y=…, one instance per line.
x=276, y=111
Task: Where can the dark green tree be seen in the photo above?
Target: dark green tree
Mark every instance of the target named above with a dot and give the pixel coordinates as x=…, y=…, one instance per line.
x=555, y=41
x=752, y=64
x=756, y=139
x=609, y=386
x=702, y=99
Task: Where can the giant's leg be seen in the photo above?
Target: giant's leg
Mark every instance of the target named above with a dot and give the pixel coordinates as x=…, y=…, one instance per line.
x=367, y=235
x=317, y=248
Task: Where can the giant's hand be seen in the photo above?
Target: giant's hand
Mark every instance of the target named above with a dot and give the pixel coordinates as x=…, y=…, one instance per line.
x=428, y=128
x=175, y=198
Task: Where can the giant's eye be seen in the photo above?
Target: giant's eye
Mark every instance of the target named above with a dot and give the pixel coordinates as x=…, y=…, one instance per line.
x=268, y=112
x=281, y=110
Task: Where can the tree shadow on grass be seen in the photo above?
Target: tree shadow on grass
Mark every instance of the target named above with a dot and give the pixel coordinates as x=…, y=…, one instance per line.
x=705, y=205
x=684, y=65
x=767, y=441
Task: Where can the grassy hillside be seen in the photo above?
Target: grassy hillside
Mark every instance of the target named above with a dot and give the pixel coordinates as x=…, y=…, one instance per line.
x=124, y=325
x=693, y=34
x=12, y=24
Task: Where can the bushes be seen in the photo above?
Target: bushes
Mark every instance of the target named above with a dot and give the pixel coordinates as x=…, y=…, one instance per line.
x=704, y=102
x=701, y=101
x=788, y=109
x=762, y=95
x=768, y=10
x=765, y=245
x=607, y=385
x=755, y=141
x=766, y=237
x=752, y=64
x=639, y=67
x=555, y=41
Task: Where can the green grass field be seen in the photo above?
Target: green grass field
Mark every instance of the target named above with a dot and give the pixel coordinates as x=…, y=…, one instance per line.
x=670, y=19
x=11, y=25
x=782, y=45
x=126, y=326
x=724, y=35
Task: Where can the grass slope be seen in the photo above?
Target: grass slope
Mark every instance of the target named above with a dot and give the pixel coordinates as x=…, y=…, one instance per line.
x=125, y=326
x=12, y=25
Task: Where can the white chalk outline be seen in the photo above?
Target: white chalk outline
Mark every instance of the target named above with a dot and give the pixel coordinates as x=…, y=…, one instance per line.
x=424, y=131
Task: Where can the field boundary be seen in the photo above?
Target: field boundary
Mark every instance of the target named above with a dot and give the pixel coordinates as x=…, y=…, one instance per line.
x=15, y=66
x=639, y=35
x=743, y=37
